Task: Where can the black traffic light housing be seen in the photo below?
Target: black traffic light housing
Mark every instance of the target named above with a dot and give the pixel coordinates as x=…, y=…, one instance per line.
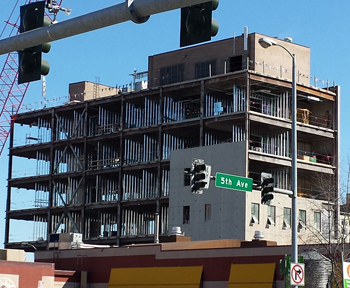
x=30, y=63
x=200, y=176
x=266, y=189
x=197, y=24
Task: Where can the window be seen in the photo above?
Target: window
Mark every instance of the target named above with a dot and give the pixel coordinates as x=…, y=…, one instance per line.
x=255, y=213
x=317, y=220
x=345, y=228
x=186, y=215
x=207, y=215
x=205, y=69
x=237, y=63
x=287, y=217
x=187, y=177
x=171, y=74
x=302, y=219
x=271, y=215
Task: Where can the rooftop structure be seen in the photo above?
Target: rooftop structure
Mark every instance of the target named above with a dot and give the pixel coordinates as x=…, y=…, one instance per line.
x=111, y=165
x=212, y=263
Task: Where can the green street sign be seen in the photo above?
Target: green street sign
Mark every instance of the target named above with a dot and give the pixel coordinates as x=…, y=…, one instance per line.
x=228, y=181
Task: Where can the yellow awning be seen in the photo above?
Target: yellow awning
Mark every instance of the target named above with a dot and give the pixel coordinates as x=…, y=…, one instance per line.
x=150, y=277
x=252, y=275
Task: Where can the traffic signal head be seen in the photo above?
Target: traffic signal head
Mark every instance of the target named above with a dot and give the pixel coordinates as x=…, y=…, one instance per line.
x=267, y=181
x=266, y=188
x=197, y=168
x=197, y=187
x=200, y=176
x=31, y=65
x=32, y=16
x=197, y=24
x=266, y=195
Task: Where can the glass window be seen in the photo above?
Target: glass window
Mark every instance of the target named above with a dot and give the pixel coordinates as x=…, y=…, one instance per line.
x=207, y=215
x=302, y=220
x=271, y=215
x=302, y=217
x=236, y=63
x=255, y=213
x=287, y=217
x=186, y=215
x=205, y=69
x=187, y=177
x=317, y=220
x=171, y=74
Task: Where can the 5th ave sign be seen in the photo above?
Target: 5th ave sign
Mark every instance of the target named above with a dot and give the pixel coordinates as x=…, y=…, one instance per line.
x=228, y=181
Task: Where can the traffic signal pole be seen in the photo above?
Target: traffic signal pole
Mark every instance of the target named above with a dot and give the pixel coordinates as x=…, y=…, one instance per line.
x=137, y=11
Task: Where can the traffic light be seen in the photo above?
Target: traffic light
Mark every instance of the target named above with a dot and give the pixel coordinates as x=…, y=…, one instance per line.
x=197, y=24
x=30, y=64
x=200, y=176
x=266, y=188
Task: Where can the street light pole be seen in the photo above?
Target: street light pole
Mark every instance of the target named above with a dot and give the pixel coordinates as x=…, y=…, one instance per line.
x=265, y=43
x=294, y=166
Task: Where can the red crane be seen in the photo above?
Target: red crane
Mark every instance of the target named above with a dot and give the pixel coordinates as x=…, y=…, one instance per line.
x=11, y=93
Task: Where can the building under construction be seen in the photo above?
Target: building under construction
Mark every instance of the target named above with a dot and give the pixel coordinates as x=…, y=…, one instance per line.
x=112, y=163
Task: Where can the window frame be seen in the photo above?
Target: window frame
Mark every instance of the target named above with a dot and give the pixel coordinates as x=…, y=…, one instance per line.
x=287, y=217
x=271, y=217
x=254, y=211
x=202, y=69
x=171, y=74
x=187, y=177
x=207, y=212
x=302, y=219
x=317, y=224
x=186, y=215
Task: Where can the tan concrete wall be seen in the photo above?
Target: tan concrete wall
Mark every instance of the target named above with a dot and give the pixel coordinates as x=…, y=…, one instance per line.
x=85, y=90
x=188, y=57
x=277, y=232
x=276, y=61
x=12, y=255
x=273, y=61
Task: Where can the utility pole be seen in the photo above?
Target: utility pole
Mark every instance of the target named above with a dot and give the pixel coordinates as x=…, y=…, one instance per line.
x=136, y=10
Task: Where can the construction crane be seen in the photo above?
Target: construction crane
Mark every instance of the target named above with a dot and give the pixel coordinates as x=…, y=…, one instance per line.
x=12, y=93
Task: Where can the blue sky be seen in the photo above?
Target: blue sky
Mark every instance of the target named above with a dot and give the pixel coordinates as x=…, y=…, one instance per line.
x=112, y=53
